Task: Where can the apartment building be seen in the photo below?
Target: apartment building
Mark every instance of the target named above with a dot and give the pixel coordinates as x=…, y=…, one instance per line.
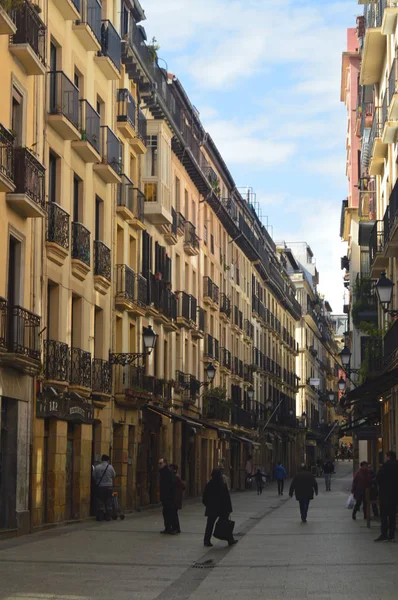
x=316, y=362
x=122, y=223
x=376, y=45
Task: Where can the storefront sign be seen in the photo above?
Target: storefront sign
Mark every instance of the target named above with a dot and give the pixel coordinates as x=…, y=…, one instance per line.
x=315, y=382
x=64, y=409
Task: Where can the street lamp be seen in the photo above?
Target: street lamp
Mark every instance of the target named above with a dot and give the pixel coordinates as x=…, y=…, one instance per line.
x=250, y=393
x=331, y=396
x=210, y=372
x=345, y=356
x=384, y=289
x=150, y=339
x=341, y=384
x=127, y=358
x=268, y=404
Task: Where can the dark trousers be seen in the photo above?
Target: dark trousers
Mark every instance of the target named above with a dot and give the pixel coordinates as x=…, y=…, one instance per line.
x=209, y=528
x=175, y=521
x=304, y=505
x=259, y=487
x=104, y=503
x=388, y=513
x=168, y=516
x=280, y=485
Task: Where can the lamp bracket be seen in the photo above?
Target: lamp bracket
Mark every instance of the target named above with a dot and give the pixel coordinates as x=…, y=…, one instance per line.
x=125, y=358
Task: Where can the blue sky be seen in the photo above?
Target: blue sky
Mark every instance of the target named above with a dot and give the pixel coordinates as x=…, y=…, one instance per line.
x=265, y=77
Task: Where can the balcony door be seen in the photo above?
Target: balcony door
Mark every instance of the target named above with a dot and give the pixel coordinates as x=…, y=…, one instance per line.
x=53, y=79
x=14, y=293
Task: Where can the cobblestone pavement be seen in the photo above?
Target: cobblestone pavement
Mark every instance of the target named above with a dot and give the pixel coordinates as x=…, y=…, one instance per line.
x=277, y=557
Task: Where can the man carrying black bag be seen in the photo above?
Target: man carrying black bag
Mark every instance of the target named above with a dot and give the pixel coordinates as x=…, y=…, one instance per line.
x=218, y=505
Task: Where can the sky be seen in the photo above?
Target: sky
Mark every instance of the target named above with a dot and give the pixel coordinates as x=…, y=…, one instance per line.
x=265, y=78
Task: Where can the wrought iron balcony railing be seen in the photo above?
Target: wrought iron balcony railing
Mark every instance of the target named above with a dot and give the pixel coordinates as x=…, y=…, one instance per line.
x=3, y=323
x=57, y=225
x=214, y=408
x=90, y=125
x=111, y=45
x=90, y=14
x=211, y=290
x=102, y=260
x=80, y=368
x=241, y=417
x=23, y=333
x=125, y=283
x=30, y=30
x=29, y=176
x=56, y=361
x=391, y=345
x=142, y=290
x=142, y=126
x=212, y=349
x=226, y=358
x=81, y=243
x=201, y=319
x=6, y=153
x=64, y=97
x=101, y=376
x=111, y=150
x=238, y=317
x=187, y=307
x=225, y=305
x=191, y=238
x=126, y=108
x=248, y=328
x=391, y=214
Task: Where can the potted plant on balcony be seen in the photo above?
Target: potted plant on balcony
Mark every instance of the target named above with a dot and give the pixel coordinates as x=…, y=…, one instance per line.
x=153, y=48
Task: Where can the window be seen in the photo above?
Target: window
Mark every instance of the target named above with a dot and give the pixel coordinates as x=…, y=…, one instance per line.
x=99, y=218
x=14, y=291
x=17, y=117
x=77, y=217
x=151, y=192
x=151, y=157
x=52, y=178
x=177, y=193
x=186, y=205
x=205, y=235
x=212, y=243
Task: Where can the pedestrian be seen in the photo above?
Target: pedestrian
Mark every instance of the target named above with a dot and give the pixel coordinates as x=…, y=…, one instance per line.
x=328, y=470
x=218, y=505
x=179, y=491
x=259, y=477
x=358, y=488
x=372, y=485
x=104, y=475
x=280, y=475
x=303, y=486
x=167, y=496
x=387, y=481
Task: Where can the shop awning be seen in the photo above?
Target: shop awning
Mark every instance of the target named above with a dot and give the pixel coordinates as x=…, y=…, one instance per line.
x=171, y=415
x=371, y=390
x=240, y=438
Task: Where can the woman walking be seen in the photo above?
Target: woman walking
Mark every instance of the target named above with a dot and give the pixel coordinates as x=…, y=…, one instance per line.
x=218, y=505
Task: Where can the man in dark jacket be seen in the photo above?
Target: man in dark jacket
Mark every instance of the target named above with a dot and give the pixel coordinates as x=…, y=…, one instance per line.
x=218, y=504
x=387, y=481
x=328, y=470
x=167, y=496
x=304, y=485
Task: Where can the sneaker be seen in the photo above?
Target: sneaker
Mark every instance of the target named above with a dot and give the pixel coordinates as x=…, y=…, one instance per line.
x=232, y=542
x=381, y=538
x=208, y=544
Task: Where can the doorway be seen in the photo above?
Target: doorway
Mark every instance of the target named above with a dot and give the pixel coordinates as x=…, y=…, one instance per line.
x=69, y=468
x=8, y=462
x=130, y=495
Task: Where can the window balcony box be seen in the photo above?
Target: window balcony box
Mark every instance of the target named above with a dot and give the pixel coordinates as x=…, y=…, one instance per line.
x=138, y=142
x=109, y=55
x=198, y=332
x=56, y=362
x=28, y=44
x=102, y=267
x=126, y=113
x=101, y=378
x=23, y=340
x=88, y=146
x=80, y=371
x=69, y=9
x=191, y=240
x=157, y=203
x=6, y=160
x=374, y=45
x=57, y=241
x=7, y=23
x=81, y=251
x=63, y=110
x=87, y=26
x=110, y=168
x=390, y=15
x=28, y=198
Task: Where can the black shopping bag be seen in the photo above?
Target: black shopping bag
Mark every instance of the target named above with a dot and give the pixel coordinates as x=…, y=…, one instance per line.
x=224, y=529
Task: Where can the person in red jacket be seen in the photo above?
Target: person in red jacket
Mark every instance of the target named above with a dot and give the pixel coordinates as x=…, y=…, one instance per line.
x=359, y=486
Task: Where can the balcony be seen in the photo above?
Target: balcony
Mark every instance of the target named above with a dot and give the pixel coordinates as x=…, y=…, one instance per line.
x=191, y=240
x=19, y=331
x=237, y=322
x=163, y=304
x=6, y=160
x=373, y=44
x=211, y=350
x=87, y=26
x=28, y=44
x=157, y=203
x=109, y=56
x=110, y=168
x=101, y=378
x=88, y=146
x=81, y=251
x=170, y=230
x=142, y=132
x=63, y=108
x=391, y=346
x=377, y=148
x=56, y=362
x=248, y=329
x=378, y=262
x=390, y=221
x=69, y=9
x=7, y=21
x=248, y=377
x=225, y=360
x=237, y=369
x=186, y=310
x=225, y=308
x=130, y=203
x=102, y=267
x=216, y=410
x=211, y=293
x=28, y=198
x=80, y=371
x=126, y=113
x=391, y=120
x=242, y=418
x=390, y=13
x=198, y=332
x=57, y=241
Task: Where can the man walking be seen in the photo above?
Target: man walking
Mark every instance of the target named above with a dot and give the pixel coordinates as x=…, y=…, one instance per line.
x=167, y=496
x=303, y=486
x=280, y=475
x=104, y=475
x=328, y=469
x=387, y=481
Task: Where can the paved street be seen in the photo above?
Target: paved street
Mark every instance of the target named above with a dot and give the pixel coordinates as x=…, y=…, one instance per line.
x=278, y=557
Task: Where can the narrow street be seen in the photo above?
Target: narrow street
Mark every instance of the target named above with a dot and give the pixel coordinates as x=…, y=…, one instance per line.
x=278, y=557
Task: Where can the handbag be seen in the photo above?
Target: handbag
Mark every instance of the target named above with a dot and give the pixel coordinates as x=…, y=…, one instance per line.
x=102, y=476
x=350, y=501
x=224, y=529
